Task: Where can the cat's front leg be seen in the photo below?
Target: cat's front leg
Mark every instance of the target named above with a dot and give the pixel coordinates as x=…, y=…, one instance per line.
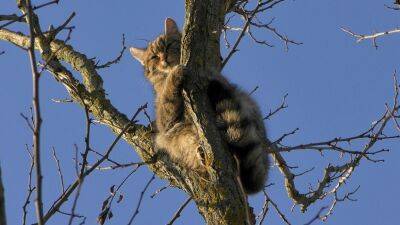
x=173, y=84
x=170, y=110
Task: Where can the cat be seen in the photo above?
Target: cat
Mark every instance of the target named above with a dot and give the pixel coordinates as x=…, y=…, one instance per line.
x=238, y=117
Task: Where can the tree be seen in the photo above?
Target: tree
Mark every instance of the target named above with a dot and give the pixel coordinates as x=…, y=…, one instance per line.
x=217, y=195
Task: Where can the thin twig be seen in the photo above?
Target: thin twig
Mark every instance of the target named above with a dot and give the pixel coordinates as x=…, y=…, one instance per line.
x=336, y=200
x=30, y=188
x=59, y=169
x=264, y=210
x=373, y=37
x=69, y=214
x=120, y=166
x=317, y=216
x=343, y=172
x=281, y=215
x=62, y=100
x=27, y=121
x=179, y=211
x=76, y=150
x=38, y=119
x=20, y=18
x=282, y=106
x=158, y=191
x=116, y=60
x=241, y=35
x=84, y=160
x=106, y=208
x=62, y=199
x=140, y=199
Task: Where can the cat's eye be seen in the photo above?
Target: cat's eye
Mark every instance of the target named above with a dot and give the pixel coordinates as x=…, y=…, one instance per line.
x=153, y=57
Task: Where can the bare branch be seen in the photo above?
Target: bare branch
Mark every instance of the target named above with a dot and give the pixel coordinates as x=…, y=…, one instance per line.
x=74, y=215
x=120, y=166
x=116, y=60
x=249, y=16
x=38, y=119
x=140, y=199
x=60, y=174
x=281, y=215
x=395, y=103
x=106, y=207
x=28, y=122
x=316, y=217
x=373, y=37
x=241, y=35
x=282, y=37
x=73, y=186
x=279, y=140
x=158, y=191
x=62, y=100
x=178, y=213
x=30, y=188
x=337, y=200
x=53, y=32
x=84, y=160
x=14, y=18
x=275, y=111
x=264, y=210
x=341, y=173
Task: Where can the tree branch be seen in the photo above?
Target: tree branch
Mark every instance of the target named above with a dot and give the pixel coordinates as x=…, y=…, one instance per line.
x=36, y=107
x=341, y=173
x=179, y=211
x=373, y=36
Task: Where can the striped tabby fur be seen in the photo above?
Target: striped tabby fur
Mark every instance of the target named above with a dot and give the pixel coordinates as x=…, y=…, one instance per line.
x=237, y=115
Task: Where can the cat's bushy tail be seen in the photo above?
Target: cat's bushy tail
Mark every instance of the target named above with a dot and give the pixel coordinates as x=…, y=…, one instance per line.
x=254, y=165
x=241, y=124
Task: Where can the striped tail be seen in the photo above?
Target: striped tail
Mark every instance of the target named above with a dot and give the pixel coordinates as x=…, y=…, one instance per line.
x=243, y=131
x=254, y=165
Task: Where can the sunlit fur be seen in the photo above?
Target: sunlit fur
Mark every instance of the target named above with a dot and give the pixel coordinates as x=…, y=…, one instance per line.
x=237, y=115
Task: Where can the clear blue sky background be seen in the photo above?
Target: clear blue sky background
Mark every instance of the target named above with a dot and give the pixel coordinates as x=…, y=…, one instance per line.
x=336, y=88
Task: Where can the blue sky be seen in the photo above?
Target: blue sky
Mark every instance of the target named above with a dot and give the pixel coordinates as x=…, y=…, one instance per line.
x=336, y=88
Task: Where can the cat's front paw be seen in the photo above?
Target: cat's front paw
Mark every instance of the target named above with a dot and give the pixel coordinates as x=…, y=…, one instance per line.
x=179, y=70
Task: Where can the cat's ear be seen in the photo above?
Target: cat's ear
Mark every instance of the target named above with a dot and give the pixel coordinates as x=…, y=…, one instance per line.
x=171, y=28
x=138, y=53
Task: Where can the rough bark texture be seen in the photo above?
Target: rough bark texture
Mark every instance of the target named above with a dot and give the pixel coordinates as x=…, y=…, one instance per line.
x=2, y=203
x=220, y=200
x=217, y=193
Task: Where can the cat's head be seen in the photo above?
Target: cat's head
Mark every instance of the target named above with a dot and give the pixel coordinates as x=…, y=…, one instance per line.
x=162, y=54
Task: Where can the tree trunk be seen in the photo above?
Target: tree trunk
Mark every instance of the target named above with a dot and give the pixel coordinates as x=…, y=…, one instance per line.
x=226, y=202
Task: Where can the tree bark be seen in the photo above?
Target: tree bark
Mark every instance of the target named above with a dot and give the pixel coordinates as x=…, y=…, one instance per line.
x=225, y=201
x=217, y=192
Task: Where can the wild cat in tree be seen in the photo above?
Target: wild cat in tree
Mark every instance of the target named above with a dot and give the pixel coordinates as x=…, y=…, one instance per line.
x=238, y=117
